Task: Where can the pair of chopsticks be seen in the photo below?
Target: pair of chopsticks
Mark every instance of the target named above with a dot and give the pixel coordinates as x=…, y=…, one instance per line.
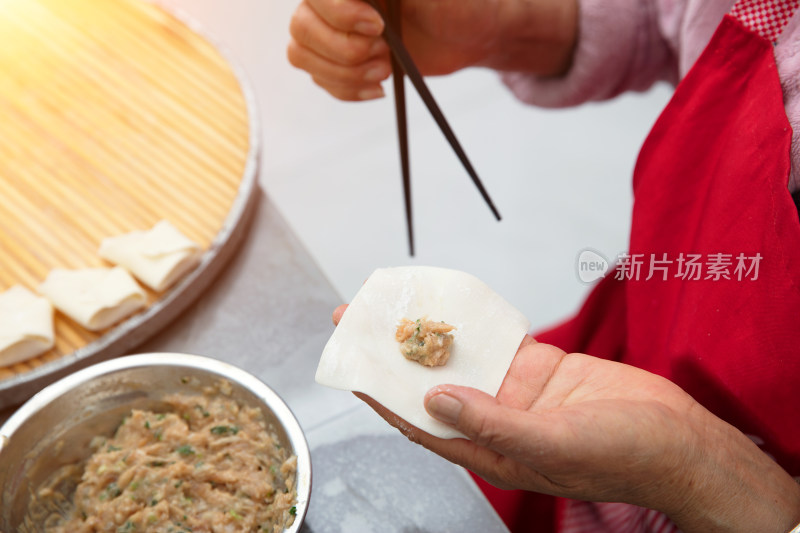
x=402, y=64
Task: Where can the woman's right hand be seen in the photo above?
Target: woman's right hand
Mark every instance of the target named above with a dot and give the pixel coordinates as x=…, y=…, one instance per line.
x=338, y=42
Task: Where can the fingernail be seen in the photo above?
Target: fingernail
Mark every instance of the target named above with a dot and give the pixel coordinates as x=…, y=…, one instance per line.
x=371, y=93
x=445, y=408
x=369, y=28
x=377, y=73
x=379, y=46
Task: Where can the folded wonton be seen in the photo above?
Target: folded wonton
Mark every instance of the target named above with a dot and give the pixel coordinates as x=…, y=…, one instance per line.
x=26, y=325
x=96, y=298
x=158, y=257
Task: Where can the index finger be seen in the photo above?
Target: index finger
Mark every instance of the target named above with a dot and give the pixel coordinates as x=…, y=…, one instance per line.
x=349, y=16
x=337, y=314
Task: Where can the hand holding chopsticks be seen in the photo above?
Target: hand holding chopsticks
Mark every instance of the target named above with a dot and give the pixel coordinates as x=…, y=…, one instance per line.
x=346, y=46
x=403, y=64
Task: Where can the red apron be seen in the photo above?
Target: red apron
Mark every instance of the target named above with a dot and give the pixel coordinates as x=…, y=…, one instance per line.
x=708, y=294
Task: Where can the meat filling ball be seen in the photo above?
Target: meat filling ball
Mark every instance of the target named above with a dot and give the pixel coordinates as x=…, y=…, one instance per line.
x=425, y=341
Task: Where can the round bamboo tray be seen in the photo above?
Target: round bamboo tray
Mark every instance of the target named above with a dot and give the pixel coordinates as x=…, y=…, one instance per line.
x=114, y=114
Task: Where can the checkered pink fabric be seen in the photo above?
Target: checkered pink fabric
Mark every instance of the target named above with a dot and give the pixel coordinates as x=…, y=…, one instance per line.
x=584, y=517
x=765, y=17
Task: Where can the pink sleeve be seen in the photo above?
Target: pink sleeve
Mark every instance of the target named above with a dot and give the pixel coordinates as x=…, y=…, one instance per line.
x=621, y=46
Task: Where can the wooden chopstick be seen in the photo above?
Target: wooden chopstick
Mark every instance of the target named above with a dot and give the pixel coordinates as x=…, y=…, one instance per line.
x=394, y=20
x=401, y=55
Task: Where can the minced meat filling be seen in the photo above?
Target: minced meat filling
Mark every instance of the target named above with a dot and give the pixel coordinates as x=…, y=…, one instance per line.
x=425, y=341
x=207, y=464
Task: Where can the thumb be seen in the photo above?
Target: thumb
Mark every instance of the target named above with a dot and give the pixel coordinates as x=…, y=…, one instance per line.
x=483, y=419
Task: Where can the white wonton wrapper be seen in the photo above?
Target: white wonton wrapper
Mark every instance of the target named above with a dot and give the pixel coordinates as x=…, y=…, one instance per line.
x=362, y=354
x=158, y=257
x=26, y=325
x=96, y=298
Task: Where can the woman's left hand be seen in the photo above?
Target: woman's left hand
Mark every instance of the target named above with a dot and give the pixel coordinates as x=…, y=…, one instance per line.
x=581, y=427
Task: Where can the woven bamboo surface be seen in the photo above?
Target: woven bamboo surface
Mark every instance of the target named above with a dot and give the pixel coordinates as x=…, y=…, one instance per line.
x=113, y=116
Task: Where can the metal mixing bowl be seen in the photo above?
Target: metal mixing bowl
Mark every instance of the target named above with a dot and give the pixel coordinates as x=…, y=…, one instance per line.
x=55, y=427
